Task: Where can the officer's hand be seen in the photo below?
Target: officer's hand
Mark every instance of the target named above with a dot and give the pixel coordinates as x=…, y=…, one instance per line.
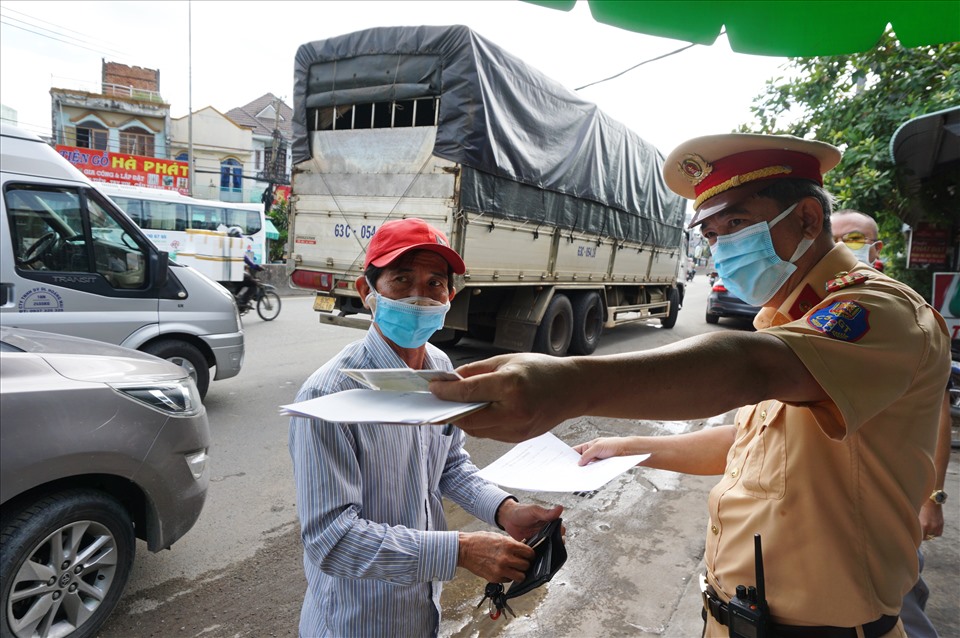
x=494, y=557
x=523, y=522
x=528, y=394
x=603, y=448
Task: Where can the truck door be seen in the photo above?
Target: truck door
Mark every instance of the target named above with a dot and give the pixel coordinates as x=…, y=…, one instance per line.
x=72, y=265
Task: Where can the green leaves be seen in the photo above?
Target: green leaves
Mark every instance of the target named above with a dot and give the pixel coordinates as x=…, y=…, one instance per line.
x=857, y=102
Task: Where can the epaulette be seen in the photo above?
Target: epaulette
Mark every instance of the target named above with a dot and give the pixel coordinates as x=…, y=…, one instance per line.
x=845, y=280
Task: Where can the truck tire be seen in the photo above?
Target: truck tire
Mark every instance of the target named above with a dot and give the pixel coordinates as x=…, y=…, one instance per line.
x=673, y=296
x=187, y=356
x=556, y=329
x=587, y=323
x=83, y=540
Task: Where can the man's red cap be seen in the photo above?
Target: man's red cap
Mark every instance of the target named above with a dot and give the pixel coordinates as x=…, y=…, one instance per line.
x=718, y=171
x=398, y=236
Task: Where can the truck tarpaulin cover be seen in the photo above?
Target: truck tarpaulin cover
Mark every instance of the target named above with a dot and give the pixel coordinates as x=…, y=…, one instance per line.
x=526, y=138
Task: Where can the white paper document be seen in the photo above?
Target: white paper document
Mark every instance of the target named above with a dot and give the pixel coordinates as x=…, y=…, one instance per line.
x=399, y=379
x=380, y=406
x=547, y=464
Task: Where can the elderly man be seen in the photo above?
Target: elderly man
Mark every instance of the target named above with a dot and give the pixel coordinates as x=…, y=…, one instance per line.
x=859, y=232
x=842, y=382
x=376, y=549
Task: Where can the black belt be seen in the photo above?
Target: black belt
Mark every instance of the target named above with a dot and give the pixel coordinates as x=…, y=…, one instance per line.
x=879, y=627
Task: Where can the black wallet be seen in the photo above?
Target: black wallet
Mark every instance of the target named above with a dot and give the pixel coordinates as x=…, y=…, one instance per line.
x=550, y=557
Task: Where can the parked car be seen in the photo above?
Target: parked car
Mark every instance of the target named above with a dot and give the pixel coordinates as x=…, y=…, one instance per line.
x=721, y=303
x=99, y=445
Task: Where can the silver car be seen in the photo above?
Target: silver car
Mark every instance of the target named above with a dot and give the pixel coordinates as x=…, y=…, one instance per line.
x=99, y=445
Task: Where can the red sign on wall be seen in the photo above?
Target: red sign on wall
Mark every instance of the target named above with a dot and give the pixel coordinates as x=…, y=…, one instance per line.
x=134, y=170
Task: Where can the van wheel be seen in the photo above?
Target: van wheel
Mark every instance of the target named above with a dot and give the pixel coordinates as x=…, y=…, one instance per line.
x=673, y=296
x=65, y=562
x=187, y=356
x=587, y=323
x=556, y=329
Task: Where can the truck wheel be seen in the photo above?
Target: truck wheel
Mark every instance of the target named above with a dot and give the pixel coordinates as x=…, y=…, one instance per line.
x=446, y=337
x=673, y=296
x=187, y=356
x=556, y=329
x=65, y=562
x=587, y=323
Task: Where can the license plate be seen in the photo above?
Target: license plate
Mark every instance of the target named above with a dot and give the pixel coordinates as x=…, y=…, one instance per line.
x=323, y=303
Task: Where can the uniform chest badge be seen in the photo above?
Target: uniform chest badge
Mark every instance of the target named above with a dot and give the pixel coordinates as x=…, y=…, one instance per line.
x=845, y=280
x=843, y=320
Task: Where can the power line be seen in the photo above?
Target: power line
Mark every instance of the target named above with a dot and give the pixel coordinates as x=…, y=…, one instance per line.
x=44, y=35
x=659, y=57
x=84, y=37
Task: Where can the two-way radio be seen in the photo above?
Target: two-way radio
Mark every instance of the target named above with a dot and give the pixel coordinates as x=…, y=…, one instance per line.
x=749, y=616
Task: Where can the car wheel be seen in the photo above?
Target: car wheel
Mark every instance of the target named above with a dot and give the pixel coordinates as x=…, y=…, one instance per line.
x=673, y=296
x=556, y=328
x=713, y=318
x=64, y=564
x=187, y=356
x=587, y=323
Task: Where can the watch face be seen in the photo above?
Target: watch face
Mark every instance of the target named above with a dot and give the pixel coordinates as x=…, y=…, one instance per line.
x=939, y=497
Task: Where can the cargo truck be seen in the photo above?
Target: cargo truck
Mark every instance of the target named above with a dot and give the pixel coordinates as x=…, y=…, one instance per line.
x=560, y=212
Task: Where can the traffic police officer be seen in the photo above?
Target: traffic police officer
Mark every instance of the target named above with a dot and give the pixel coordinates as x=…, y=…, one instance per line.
x=843, y=378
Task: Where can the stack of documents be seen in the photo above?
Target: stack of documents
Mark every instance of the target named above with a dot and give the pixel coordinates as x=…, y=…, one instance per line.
x=398, y=396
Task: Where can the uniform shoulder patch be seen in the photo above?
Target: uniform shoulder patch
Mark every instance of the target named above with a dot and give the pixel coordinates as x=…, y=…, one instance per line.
x=845, y=280
x=842, y=320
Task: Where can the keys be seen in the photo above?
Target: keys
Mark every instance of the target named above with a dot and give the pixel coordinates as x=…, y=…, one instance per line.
x=498, y=602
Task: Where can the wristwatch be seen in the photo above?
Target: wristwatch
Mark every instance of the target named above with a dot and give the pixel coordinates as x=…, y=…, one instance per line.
x=939, y=497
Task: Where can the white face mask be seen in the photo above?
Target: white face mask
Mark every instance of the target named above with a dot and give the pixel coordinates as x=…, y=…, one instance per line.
x=863, y=254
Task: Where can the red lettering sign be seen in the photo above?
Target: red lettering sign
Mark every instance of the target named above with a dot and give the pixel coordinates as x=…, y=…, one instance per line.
x=135, y=170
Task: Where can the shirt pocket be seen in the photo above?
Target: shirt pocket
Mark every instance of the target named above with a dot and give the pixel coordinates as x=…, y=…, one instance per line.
x=764, y=466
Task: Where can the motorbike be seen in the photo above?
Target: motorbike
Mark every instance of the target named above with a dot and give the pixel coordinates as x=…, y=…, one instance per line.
x=264, y=298
x=690, y=274
x=712, y=277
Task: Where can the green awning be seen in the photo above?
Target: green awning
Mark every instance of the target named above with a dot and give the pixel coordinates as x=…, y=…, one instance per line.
x=272, y=232
x=789, y=28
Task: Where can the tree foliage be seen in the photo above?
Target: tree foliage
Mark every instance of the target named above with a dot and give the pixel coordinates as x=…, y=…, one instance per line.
x=857, y=102
x=280, y=218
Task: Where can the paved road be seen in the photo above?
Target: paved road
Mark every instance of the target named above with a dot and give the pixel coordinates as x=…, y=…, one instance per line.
x=633, y=546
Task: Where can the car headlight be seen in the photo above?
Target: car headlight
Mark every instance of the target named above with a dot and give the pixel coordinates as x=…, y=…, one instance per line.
x=179, y=398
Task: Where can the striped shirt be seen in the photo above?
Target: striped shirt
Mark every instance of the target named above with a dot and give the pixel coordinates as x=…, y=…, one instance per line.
x=376, y=545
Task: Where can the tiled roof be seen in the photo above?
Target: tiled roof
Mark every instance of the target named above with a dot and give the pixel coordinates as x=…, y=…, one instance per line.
x=246, y=116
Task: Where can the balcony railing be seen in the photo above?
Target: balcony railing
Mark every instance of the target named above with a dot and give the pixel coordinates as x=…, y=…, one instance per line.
x=144, y=95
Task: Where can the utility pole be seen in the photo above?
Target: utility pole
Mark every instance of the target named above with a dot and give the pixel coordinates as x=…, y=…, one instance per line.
x=190, y=95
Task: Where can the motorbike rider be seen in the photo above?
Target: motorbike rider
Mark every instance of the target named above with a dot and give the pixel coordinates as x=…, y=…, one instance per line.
x=250, y=268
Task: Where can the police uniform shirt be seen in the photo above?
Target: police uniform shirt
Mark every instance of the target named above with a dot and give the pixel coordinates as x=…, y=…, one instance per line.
x=835, y=488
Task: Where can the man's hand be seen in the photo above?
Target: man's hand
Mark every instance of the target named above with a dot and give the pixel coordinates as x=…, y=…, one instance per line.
x=528, y=395
x=494, y=557
x=523, y=522
x=931, y=519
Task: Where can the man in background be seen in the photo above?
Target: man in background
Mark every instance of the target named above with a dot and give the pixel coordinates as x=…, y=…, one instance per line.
x=859, y=232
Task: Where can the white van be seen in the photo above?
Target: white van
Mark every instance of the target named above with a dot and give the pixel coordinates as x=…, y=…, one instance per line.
x=72, y=262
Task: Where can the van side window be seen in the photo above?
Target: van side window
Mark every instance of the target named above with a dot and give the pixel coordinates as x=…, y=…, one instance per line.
x=47, y=229
x=52, y=231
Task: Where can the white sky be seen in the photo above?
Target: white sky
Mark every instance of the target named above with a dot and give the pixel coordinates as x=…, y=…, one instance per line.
x=243, y=49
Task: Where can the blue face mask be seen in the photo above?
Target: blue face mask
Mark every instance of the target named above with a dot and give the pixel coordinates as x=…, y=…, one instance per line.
x=407, y=322
x=749, y=265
